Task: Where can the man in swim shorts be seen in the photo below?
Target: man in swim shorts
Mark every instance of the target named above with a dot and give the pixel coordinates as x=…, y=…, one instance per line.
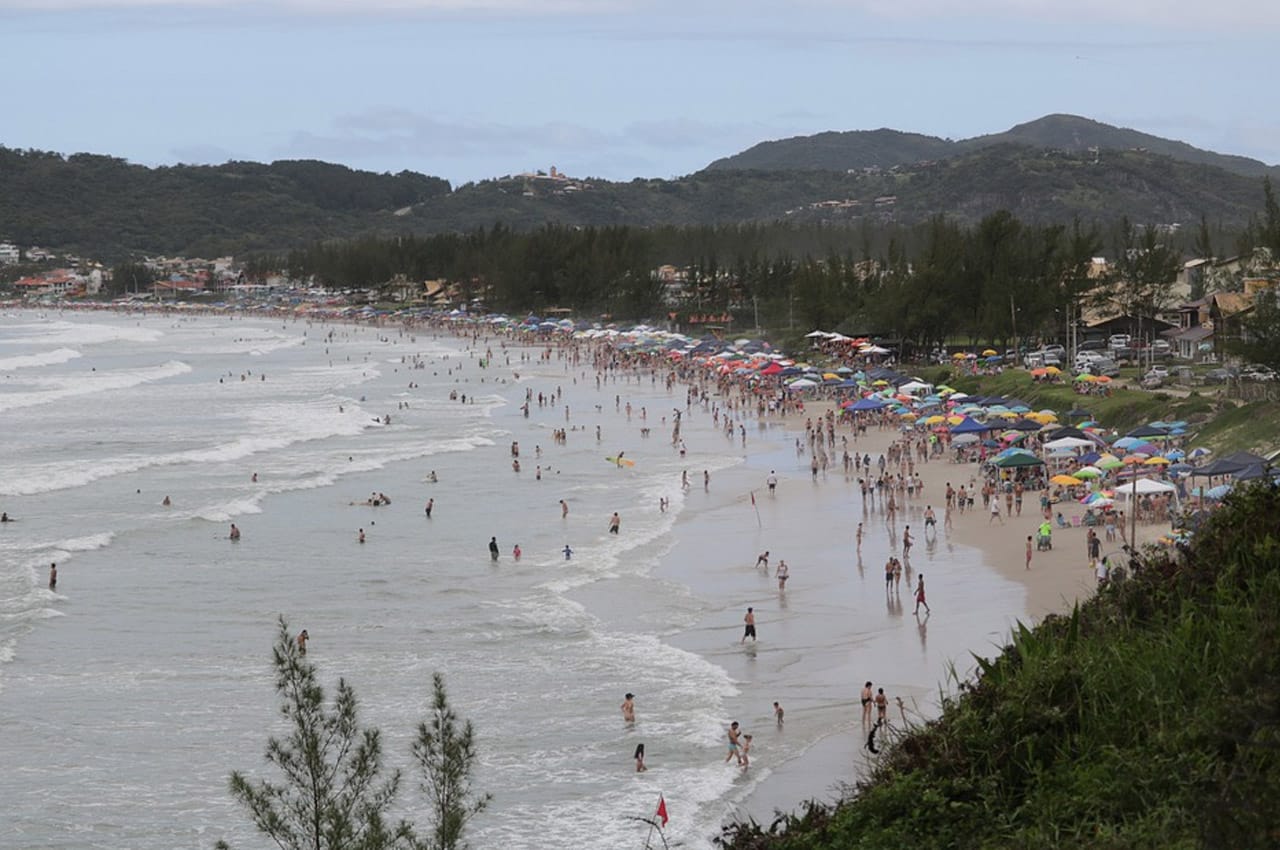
x=733, y=743
x=750, y=630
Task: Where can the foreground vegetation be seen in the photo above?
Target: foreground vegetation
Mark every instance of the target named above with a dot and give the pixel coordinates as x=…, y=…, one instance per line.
x=1148, y=717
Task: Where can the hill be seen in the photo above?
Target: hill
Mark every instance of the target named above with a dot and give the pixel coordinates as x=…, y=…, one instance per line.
x=1034, y=185
x=108, y=207
x=1147, y=718
x=833, y=151
x=838, y=151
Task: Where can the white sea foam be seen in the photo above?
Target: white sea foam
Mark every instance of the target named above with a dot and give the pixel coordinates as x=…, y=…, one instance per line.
x=44, y=358
x=75, y=333
x=90, y=383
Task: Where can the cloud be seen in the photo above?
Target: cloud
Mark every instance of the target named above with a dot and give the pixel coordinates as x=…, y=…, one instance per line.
x=1253, y=15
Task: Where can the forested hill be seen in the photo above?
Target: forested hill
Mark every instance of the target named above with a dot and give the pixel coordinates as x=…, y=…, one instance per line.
x=109, y=209
x=104, y=205
x=1031, y=184
x=862, y=149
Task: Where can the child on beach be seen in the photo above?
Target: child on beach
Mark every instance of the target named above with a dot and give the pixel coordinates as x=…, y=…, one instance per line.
x=744, y=758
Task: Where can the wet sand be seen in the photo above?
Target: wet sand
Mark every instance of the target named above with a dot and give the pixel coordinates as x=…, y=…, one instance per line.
x=835, y=627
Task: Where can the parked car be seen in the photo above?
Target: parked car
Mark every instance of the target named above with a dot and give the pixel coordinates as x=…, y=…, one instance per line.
x=1056, y=350
x=1220, y=375
x=1118, y=341
x=1258, y=372
x=1092, y=345
x=1151, y=382
x=1161, y=372
x=1161, y=347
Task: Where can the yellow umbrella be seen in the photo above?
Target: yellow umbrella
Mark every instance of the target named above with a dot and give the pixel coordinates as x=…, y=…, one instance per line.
x=1065, y=480
x=990, y=352
x=1053, y=370
x=959, y=355
x=954, y=420
x=909, y=415
x=1157, y=461
x=1008, y=414
x=880, y=383
x=935, y=420
x=830, y=376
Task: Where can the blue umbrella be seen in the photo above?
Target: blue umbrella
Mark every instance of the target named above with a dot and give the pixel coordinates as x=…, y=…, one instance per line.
x=1218, y=492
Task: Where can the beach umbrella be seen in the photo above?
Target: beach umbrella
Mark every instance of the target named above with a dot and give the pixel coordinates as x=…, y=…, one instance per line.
x=1064, y=480
x=1151, y=430
x=1126, y=442
x=959, y=355
x=1218, y=492
x=1013, y=436
x=1053, y=370
x=989, y=353
x=1133, y=459
x=934, y=420
x=1176, y=454
x=991, y=444
x=1077, y=413
x=1157, y=461
x=868, y=404
x=1143, y=449
x=1039, y=373
x=1083, y=378
x=1087, y=473
x=965, y=439
x=802, y=384
x=1181, y=467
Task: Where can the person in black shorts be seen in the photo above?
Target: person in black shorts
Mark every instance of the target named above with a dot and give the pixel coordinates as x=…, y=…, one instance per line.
x=750, y=630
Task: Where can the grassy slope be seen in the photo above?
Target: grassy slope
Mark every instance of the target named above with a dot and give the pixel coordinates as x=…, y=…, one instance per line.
x=1147, y=718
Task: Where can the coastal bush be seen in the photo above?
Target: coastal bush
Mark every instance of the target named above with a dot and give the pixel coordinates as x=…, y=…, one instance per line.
x=1147, y=717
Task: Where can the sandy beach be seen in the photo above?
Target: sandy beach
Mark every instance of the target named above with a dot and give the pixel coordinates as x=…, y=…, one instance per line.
x=974, y=548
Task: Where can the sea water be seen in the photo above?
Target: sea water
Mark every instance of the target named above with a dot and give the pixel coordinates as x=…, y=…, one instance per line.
x=131, y=691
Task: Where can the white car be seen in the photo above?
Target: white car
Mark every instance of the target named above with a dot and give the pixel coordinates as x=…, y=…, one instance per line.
x=1161, y=372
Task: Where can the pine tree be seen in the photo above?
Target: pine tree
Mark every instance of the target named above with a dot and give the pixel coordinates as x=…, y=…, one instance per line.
x=333, y=796
x=446, y=754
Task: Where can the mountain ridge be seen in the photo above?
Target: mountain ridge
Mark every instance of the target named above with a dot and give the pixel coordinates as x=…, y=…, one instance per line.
x=863, y=149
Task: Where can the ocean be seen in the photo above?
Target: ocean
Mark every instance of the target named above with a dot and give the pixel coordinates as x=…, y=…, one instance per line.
x=129, y=693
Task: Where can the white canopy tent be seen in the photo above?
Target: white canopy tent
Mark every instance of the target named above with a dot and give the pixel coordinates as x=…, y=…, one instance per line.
x=1067, y=443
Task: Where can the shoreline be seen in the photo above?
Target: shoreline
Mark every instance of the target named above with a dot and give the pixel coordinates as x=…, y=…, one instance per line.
x=1056, y=581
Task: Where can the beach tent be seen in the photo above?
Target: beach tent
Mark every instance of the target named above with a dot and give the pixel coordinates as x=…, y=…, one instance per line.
x=1068, y=443
x=969, y=426
x=867, y=404
x=1014, y=461
x=914, y=387
x=1147, y=431
x=1024, y=424
x=1221, y=466
x=1143, y=487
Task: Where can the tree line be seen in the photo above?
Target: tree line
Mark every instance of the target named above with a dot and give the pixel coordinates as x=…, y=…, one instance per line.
x=920, y=285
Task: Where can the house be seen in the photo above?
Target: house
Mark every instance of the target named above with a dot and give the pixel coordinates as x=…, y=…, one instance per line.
x=10, y=255
x=1205, y=323
x=177, y=287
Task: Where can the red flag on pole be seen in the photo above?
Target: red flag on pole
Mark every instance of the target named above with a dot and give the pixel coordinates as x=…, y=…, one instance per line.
x=662, y=809
x=753, y=497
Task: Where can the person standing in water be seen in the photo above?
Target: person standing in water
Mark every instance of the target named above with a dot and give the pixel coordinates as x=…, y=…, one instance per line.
x=564, y=509
x=431, y=503
x=629, y=708
x=749, y=630
x=867, y=698
x=568, y=552
x=360, y=537
x=303, y=637
x=614, y=522
x=782, y=574
x=53, y=576
x=493, y=548
x=235, y=532
x=777, y=713
x=515, y=553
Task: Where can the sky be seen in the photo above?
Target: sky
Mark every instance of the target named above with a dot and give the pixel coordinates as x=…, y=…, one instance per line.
x=616, y=89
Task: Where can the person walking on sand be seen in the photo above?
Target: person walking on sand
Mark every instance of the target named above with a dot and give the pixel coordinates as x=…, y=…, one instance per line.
x=867, y=698
x=750, y=628
x=772, y=481
x=888, y=575
x=907, y=540
x=614, y=522
x=920, y=595
x=733, y=743
x=1028, y=551
x=629, y=708
x=995, y=512
x=783, y=573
